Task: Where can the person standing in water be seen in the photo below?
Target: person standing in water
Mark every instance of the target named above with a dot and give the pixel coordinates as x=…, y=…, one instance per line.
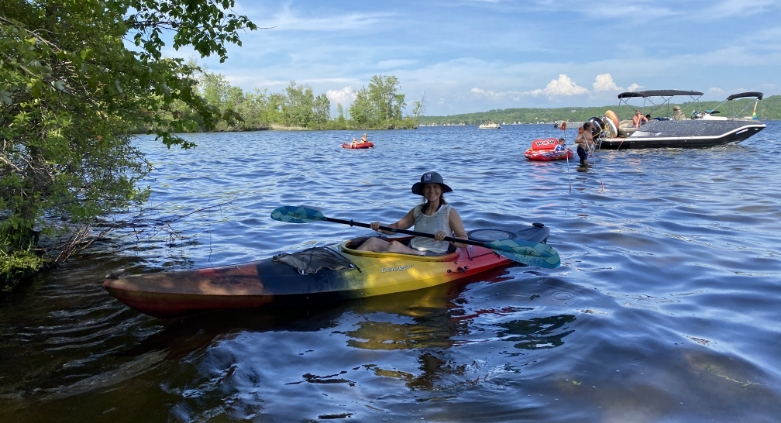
x=584, y=140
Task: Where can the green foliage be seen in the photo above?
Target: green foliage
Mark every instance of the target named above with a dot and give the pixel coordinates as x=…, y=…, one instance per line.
x=18, y=265
x=380, y=105
x=298, y=110
x=71, y=92
x=376, y=107
x=768, y=109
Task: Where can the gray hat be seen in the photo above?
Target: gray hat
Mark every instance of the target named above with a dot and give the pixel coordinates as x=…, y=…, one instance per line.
x=430, y=178
x=676, y=107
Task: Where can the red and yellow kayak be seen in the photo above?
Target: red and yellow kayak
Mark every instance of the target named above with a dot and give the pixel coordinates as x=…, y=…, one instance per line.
x=312, y=276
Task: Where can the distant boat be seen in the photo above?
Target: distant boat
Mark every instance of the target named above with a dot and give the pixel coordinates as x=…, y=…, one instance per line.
x=489, y=125
x=702, y=130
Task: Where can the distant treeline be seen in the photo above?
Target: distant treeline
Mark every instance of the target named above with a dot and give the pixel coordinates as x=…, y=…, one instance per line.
x=378, y=106
x=768, y=109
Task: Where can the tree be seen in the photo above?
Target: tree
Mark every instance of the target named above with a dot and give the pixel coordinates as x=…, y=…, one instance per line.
x=71, y=92
x=322, y=109
x=340, y=120
x=387, y=103
x=254, y=110
x=418, y=108
x=363, y=111
x=379, y=105
x=298, y=109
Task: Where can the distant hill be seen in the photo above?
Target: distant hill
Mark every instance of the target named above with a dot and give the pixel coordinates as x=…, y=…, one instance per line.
x=768, y=109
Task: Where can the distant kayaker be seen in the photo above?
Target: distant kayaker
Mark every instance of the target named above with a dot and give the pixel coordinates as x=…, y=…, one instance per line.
x=364, y=139
x=354, y=143
x=584, y=140
x=433, y=216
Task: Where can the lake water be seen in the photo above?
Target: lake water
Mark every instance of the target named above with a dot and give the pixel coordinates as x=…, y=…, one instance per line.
x=665, y=308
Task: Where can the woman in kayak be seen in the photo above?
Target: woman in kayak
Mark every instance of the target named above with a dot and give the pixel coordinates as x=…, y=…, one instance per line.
x=434, y=216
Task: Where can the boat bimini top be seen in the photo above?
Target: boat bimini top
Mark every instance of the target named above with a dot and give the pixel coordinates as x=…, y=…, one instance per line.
x=748, y=94
x=652, y=97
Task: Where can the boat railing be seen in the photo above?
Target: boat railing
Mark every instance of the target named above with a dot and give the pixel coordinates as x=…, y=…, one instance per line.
x=749, y=94
x=649, y=96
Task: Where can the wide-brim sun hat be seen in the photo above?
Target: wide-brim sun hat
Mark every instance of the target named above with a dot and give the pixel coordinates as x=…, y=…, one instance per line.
x=430, y=178
x=676, y=107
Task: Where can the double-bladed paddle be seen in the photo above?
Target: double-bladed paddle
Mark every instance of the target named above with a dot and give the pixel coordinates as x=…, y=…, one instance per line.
x=524, y=252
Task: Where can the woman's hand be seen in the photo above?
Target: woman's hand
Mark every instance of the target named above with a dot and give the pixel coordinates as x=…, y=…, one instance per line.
x=375, y=226
x=439, y=236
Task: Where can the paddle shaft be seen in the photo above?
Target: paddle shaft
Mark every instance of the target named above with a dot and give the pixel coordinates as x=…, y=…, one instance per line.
x=408, y=232
x=524, y=252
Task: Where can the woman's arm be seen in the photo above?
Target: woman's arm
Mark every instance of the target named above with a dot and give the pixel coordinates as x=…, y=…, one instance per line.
x=457, y=226
x=405, y=222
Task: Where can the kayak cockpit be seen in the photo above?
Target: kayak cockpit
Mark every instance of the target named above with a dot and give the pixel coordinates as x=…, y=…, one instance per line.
x=350, y=247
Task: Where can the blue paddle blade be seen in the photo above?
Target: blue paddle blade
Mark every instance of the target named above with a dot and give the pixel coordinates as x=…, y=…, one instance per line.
x=527, y=252
x=292, y=214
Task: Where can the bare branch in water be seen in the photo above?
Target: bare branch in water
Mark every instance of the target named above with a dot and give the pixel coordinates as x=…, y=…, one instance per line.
x=144, y=227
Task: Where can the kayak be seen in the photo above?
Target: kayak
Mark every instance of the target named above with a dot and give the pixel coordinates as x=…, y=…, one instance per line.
x=544, y=150
x=309, y=277
x=367, y=144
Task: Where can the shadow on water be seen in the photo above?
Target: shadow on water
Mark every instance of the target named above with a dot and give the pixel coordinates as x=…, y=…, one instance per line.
x=431, y=318
x=127, y=351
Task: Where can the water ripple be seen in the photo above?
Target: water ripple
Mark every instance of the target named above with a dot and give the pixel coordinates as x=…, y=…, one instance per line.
x=664, y=308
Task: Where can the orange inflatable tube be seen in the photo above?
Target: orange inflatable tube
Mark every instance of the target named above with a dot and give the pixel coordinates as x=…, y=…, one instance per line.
x=612, y=116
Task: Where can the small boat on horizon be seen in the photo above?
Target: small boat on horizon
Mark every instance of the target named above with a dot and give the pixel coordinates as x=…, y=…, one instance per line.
x=489, y=125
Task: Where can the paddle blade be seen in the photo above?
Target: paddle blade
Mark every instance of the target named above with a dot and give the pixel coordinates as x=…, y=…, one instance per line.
x=528, y=253
x=292, y=214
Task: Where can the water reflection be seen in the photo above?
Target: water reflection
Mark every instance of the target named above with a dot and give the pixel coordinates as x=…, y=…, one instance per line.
x=538, y=332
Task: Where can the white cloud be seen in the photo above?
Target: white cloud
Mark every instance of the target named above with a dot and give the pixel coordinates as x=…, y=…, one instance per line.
x=345, y=96
x=715, y=91
x=634, y=87
x=562, y=87
x=611, y=10
x=728, y=8
x=604, y=82
x=290, y=20
x=490, y=94
x=493, y=95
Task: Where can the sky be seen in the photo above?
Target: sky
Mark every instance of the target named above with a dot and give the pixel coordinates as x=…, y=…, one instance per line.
x=464, y=56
